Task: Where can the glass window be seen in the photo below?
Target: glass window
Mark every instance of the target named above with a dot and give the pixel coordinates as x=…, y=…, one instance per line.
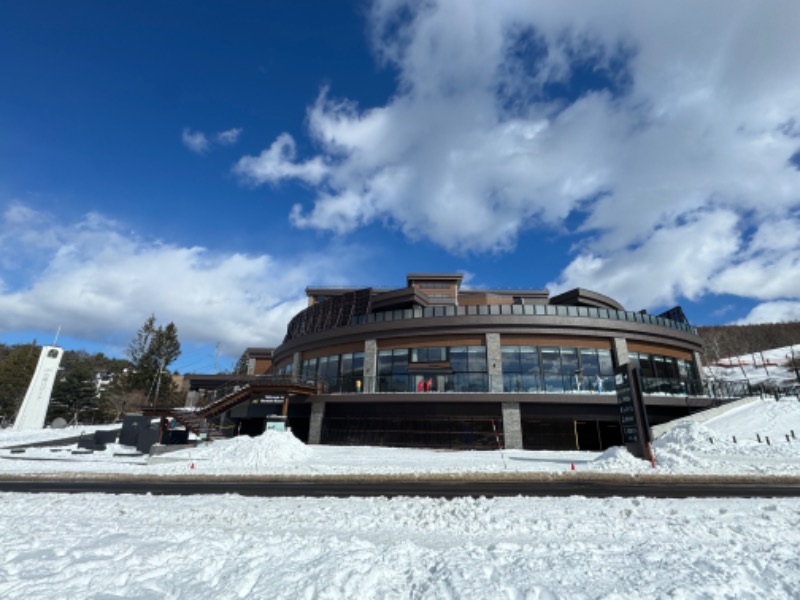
x=606, y=362
x=529, y=359
x=458, y=358
x=347, y=364
x=437, y=354
x=476, y=359
x=551, y=362
x=384, y=362
x=333, y=367
x=310, y=368
x=646, y=368
x=590, y=365
x=665, y=367
x=521, y=369
x=425, y=355
x=683, y=369
x=469, y=368
x=510, y=359
x=400, y=360
x=569, y=360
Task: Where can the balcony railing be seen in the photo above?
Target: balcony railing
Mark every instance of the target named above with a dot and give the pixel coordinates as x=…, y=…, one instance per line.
x=510, y=383
x=522, y=310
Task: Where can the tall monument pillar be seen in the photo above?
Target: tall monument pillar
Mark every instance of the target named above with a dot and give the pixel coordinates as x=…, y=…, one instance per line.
x=34, y=407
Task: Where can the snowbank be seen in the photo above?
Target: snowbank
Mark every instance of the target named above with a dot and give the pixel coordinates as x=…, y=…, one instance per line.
x=210, y=547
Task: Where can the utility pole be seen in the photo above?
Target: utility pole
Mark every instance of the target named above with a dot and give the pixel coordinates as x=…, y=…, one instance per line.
x=158, y=381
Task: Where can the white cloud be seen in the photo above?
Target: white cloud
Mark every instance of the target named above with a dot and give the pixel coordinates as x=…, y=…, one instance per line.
x=773, y=312
x=277, y=162
x=229, y=137
x=99, y=283
x=669, y=161
x=679, y=259
x=196, y=141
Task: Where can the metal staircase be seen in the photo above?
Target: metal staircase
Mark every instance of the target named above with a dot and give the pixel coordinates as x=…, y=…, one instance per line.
x=198, y=420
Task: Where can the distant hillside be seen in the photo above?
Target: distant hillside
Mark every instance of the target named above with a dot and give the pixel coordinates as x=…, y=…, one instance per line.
x=734, y=340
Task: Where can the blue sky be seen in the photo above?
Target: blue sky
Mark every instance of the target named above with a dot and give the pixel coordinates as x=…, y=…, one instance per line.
x=206, y=161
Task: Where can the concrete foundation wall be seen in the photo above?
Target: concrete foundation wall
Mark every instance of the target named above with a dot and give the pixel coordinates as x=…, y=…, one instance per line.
x=315, y=422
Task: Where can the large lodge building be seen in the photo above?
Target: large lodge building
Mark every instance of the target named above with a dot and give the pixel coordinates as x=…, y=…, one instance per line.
x=434, y=365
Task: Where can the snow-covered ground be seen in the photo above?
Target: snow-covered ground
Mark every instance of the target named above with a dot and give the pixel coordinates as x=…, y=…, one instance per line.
x=769, y=368
x=204, y=547
x=210, y=547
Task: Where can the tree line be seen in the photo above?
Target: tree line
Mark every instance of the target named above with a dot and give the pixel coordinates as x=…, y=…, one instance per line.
x=94, y=388
x=722, y=341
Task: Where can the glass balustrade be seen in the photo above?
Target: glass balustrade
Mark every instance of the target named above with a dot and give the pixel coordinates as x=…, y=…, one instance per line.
x=514, y=383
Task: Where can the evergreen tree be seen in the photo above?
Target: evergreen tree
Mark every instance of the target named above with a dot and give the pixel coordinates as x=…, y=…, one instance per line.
x=17, y=364
x=75, y=394
x=152, y=350
x=240, y=368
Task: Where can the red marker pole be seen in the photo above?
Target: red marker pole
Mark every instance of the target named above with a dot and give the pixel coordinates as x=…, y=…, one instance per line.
x=496, y=437
x=499, y=446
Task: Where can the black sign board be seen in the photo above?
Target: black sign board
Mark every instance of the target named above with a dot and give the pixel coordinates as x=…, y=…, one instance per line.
x=632, y=413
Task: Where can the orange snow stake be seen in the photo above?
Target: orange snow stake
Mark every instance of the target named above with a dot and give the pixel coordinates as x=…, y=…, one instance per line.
x=191, y=466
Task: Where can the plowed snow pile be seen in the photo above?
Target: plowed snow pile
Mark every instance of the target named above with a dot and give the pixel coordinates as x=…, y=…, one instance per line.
x=268, y=449
x=709, y=448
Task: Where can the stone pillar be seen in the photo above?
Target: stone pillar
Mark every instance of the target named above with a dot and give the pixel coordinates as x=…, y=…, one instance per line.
x=698, y=363
x=297, y=363
x=512, y=426
x=315, y=422
x=370, y=366
x=494, y=362
x=621, y=352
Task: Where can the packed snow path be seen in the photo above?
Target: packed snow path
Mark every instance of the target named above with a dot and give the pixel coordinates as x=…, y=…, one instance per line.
x=57, y=546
